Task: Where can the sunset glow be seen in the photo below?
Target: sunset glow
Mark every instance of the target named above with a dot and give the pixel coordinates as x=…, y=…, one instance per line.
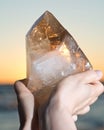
x=83, y=20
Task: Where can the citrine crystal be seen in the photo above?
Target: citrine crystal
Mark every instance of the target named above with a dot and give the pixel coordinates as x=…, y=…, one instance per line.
x=52, y=54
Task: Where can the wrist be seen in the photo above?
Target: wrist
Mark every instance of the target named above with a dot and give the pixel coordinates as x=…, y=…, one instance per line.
x=58, y=103
x=56, y=112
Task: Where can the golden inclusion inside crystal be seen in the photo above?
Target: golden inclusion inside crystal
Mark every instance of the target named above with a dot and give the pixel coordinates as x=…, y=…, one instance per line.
x=64, y=51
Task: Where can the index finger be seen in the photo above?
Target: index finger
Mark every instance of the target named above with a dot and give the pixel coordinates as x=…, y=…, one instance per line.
x=90, y=76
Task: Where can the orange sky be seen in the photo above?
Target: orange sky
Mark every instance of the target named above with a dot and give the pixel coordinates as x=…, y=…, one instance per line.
x=83, y=20
x=13, y=65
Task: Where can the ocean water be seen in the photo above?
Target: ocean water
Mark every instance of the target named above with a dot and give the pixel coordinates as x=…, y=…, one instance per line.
x=93, y=120
x=9, y=119
x=8, y=108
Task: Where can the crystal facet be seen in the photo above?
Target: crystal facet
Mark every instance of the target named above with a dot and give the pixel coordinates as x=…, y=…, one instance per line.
x=52, y=54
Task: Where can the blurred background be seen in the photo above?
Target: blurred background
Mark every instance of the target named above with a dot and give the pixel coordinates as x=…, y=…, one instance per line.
x=84, y=19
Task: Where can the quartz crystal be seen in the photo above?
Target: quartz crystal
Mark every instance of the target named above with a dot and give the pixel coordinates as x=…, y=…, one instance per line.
x=52, y=54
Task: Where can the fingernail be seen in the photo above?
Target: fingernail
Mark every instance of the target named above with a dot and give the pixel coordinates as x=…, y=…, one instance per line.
x=99, y=73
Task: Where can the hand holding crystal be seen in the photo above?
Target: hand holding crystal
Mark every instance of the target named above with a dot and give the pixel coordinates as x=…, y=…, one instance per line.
x=58, y=88
x=73, y=96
